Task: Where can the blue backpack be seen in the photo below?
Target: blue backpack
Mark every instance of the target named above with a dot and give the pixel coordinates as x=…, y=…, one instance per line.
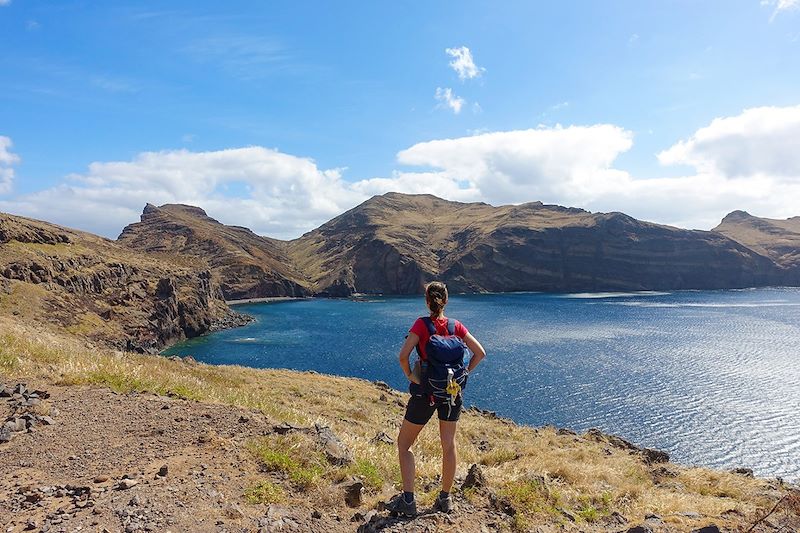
x=444, y=374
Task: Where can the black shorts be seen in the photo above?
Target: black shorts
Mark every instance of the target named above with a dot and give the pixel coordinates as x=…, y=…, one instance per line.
x=419, y=410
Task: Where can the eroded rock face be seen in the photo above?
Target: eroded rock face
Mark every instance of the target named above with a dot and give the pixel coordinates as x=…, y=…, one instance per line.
x=394, y=243
x=97, y=289
x=607, y=252
x=243, y=264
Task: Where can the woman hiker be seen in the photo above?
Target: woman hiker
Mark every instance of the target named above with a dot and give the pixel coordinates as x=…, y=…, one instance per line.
x=435, y=385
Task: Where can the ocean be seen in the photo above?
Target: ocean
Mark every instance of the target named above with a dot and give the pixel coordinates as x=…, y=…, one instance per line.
x=712, y=377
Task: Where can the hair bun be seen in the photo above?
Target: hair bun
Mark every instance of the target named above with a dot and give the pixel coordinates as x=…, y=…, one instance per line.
x=436, y=296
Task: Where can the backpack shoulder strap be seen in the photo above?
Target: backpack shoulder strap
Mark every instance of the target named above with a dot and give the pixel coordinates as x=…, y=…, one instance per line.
x=451, y=326
x=430, y=325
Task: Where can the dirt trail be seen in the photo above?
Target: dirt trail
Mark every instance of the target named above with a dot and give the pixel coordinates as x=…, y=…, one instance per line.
x=140, y=462
x=68, y=476
x=97, y=468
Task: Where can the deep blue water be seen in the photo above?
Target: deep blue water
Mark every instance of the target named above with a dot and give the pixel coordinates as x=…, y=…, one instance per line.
x=711, y=376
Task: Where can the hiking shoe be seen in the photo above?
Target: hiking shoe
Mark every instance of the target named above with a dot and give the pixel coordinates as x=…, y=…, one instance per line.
x=399, y=506
x=443, y=505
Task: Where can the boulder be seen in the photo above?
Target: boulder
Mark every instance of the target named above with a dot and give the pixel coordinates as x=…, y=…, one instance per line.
x=333, y=448
x=353, y=492
x=126, y=484
x=474, y=479
x=652, y=456
x=284, y=428
x=502, y=504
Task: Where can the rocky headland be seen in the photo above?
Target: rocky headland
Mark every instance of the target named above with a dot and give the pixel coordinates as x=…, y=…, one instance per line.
x=244, y=264
x=777, y=239
x=94, y=288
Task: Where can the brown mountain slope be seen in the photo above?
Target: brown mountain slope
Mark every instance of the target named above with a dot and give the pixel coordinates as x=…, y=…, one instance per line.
x=777, y=239
x=99, y=290
x=394, y=243
x=244, y=264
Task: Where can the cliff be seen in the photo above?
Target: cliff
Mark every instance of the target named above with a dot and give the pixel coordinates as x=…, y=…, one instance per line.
x=244, y=264
x=777, y=239
x=94, y=288
x=393, y=243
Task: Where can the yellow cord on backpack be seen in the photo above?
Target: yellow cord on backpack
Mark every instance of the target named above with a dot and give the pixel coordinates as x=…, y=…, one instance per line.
x=453, y=389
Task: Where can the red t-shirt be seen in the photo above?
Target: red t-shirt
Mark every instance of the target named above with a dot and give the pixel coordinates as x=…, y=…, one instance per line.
x=421, y=330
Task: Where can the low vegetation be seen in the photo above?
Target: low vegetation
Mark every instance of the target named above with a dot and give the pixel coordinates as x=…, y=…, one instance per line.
x=545, y=475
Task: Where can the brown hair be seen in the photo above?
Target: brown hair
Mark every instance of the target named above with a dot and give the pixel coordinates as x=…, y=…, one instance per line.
x=436, y=296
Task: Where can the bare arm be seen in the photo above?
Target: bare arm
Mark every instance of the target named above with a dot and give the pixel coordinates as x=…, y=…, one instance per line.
x=405, y=352
x=478, y=353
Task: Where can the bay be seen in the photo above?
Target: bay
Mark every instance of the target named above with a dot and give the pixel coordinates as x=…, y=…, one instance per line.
x=713, y=377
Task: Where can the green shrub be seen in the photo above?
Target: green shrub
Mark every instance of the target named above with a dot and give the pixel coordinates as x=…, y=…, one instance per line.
x=264, y=492
x=292, y=455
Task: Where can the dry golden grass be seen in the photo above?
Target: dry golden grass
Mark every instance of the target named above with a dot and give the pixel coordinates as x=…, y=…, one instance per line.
x=24, y=300
x=545, y=475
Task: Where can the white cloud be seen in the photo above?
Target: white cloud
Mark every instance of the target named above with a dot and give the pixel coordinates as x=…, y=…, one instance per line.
x=781, y=5
x=463, y=63
x=7, y=159
x=750, y=161
x=514, y=166
x=741, y=162
x=286, y=195
x=446, y=98
x=760, y=141
x=5, y=2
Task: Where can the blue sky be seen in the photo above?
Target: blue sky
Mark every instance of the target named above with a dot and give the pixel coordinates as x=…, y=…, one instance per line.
x=280, y=115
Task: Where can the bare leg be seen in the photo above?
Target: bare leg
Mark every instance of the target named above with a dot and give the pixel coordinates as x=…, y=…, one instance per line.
x=447, y=434
x=408, y=434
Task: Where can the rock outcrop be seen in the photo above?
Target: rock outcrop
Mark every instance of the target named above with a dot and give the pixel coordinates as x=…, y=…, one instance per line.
x=244, y=264
x=97, y=289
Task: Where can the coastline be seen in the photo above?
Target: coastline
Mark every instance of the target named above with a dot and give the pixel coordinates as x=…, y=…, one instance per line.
x=683, y=304
x=268, y=299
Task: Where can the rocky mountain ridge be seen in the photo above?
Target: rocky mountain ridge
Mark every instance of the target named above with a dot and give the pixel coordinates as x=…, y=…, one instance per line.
x=167, y=277
x=394, y=243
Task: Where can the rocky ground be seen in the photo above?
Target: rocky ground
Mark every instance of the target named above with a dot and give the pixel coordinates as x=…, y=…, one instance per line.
x=88, y=459
x=100, y=461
